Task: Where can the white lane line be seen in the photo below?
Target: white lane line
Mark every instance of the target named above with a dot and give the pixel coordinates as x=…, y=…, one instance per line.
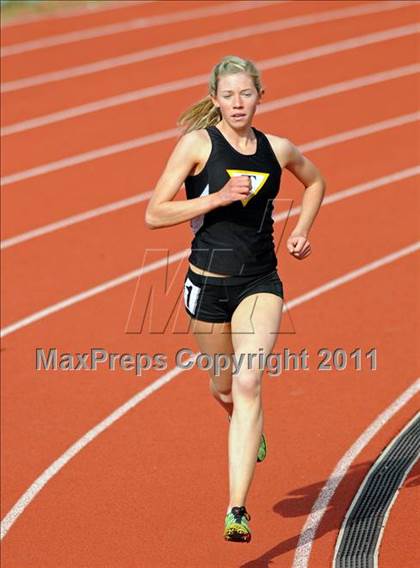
x=361, y=131
x=307, y=147
x=201, y=41
x=304, y=547
x=298, y=98
x=356, y=273
x=342, y=87
x=91, y=292
x=29, y=495
x=89, y=10
x=355, y=190
x=59, y=463
x=91, y=155
x=170, y=259
x=180, y=84
x=134, y=24
x=78, y=218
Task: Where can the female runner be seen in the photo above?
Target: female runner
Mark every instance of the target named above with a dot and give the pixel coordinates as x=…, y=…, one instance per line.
x=232, y=291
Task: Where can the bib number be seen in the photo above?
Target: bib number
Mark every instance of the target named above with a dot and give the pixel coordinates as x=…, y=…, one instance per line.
x=191, y=295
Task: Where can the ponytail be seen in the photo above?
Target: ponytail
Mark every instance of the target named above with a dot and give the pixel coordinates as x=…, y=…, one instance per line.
x=199, y=115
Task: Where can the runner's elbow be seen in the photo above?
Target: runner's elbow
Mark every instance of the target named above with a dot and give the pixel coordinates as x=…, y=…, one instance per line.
x=151, y=219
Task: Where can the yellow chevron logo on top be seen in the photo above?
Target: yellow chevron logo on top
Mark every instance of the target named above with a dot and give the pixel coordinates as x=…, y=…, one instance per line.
x=258, y=179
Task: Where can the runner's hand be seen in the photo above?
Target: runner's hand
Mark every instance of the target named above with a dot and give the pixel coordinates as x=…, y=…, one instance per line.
x=299, y=246
x=236, y=189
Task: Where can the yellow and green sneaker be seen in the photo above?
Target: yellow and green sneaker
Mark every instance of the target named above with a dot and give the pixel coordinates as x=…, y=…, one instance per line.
x=262, y=450
x=236, y=525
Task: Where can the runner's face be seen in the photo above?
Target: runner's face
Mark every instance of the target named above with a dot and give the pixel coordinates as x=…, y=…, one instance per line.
x=237, y=99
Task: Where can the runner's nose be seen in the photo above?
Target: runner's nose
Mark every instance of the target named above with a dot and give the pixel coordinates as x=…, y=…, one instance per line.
x=237, y=102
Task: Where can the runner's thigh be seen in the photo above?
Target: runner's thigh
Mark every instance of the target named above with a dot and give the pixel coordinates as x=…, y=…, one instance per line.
x=213, y=339
x=256, y=323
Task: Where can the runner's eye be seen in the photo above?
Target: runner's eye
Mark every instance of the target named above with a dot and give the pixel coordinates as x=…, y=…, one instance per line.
x=242, y=94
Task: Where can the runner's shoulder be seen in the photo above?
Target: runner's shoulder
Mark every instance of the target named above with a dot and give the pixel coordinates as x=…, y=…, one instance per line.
x=283, y=148
x=199, y=136
x=196, y=142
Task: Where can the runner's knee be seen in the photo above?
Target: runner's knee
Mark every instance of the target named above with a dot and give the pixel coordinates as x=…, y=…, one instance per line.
x=247, y=384
x=219, y=390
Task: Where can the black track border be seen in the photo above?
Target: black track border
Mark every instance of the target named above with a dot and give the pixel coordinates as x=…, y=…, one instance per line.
x=360, y=535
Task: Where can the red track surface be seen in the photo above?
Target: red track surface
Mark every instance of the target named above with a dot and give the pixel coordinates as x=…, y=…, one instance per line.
x=151, y=491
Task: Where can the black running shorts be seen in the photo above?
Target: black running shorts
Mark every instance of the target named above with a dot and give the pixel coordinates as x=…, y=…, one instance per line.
x=215, y=298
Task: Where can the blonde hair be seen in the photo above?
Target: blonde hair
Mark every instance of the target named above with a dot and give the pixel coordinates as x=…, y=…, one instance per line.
x=204, y=113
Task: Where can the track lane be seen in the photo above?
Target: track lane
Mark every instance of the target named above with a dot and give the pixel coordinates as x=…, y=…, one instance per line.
x=66, y=22
x=128, y=26
x=102, y=48
x=161, y=45
x=36, y=101
x=172, y=86
x=44, y=145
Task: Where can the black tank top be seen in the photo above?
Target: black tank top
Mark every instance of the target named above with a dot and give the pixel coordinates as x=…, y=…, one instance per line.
x=236, y=239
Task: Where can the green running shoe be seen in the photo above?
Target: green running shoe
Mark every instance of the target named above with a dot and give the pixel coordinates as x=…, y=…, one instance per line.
x=262, y=450
x=236, y=525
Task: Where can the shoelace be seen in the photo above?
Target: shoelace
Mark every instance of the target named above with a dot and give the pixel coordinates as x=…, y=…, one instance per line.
x=239, y=512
